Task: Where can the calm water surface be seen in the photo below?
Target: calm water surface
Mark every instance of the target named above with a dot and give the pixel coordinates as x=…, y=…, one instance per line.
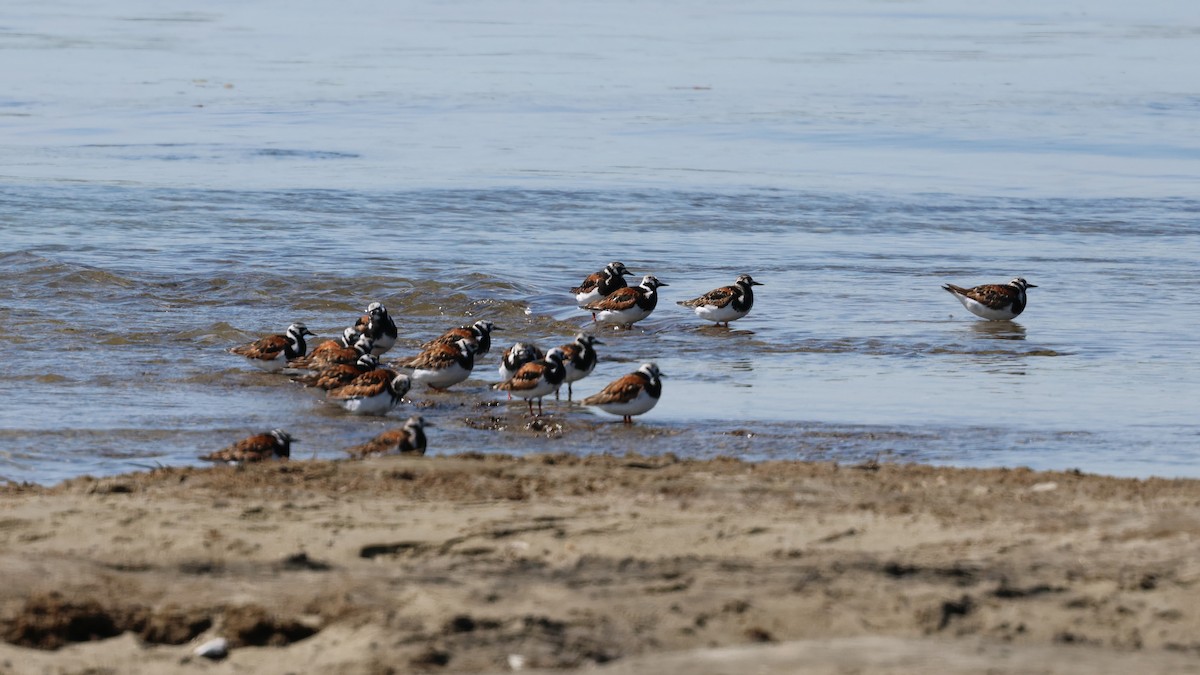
x=177, y=182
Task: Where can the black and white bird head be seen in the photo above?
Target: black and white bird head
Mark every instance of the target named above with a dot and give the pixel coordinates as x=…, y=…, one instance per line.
x=416, y=423
x=556, y=355
x=349, y=336
x=368, y=361
x=746, y=280
x=376, y=310
x=617, y=268
x=283, y=442
x=297, y=331
x=484, y=327
x=586, y=340
x=651, y=282
x=650, y=370
x=1020, y=284
x=401, y=383
x=364, y=344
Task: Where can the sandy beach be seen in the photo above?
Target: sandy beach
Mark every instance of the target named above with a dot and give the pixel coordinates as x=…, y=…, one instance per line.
x=490, y=564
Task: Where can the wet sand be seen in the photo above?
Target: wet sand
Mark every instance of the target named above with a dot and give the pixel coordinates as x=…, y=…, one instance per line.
x=488, y=564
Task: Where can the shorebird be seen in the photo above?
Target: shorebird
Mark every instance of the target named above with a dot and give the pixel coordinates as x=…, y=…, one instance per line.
x=256, y=448
x=727, y=303
x=372, y=393
x=580, y=359
x=271, y=353
x=478, y=333
x=627, y=306
x=631, y=394
x=407, y=440
x=378, y=324
x=536, y=379
x=599, y=284
x=442, y=365
x=994, y=302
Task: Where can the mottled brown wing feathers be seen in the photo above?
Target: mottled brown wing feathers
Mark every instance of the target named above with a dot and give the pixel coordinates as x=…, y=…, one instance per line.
x=992, y=295
x=589, y=284
x=367, y=384
x=263, y=348
x=450, y=337
x=385, y=442
x=621, y=390
x=436, y=357
x=336, y=376
x=717, y=298
x=527, y=377
x=255, y=448
x=332, y=354
x=616, y=301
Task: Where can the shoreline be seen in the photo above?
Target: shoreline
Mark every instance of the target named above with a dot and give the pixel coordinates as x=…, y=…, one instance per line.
x=489, y=563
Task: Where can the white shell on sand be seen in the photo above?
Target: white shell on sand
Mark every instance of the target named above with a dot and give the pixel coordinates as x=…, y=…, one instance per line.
x=215, y=649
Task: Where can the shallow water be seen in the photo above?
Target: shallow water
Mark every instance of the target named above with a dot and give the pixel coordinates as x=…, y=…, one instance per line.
x=178, y=183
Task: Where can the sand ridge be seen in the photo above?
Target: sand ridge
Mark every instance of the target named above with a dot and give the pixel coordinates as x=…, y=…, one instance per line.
x=483, y=563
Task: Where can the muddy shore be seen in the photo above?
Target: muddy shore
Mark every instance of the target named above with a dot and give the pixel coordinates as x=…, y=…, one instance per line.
x=490, y=564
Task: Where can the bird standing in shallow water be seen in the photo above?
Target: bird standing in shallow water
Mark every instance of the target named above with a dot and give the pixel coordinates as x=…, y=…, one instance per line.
x=442, y=365
x=407, y=440
x=631, y=394
x=373, y=393
x=627, y=306
x=727, y=303
x=478, y=334
x=272, y=352
x=580, y=359
x=339, y=374
x=994, y=302
x=600, y=284
x=378, y=325
x=536, y=379
x=256, y=448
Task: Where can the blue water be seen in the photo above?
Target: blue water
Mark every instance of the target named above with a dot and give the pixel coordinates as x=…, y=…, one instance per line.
x=176, y=181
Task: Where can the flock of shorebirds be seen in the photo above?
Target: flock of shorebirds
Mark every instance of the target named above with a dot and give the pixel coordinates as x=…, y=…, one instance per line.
x=350, y=372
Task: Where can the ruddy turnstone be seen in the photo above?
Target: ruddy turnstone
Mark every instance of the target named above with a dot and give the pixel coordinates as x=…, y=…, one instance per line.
x=257, y=448
x=630, y=395
x=599, y=284
x=334, y=355
x=339, y=374
x=627, y=306
x=347, y=339
x=372, y=393
x=516, y=356
x=407, y=440
x=536, y=379
x=994, y=302
x=272, y=352
x=379, y=325
x=725, y=304
x=479, y=333
x=579, y=360
x=442, y=365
